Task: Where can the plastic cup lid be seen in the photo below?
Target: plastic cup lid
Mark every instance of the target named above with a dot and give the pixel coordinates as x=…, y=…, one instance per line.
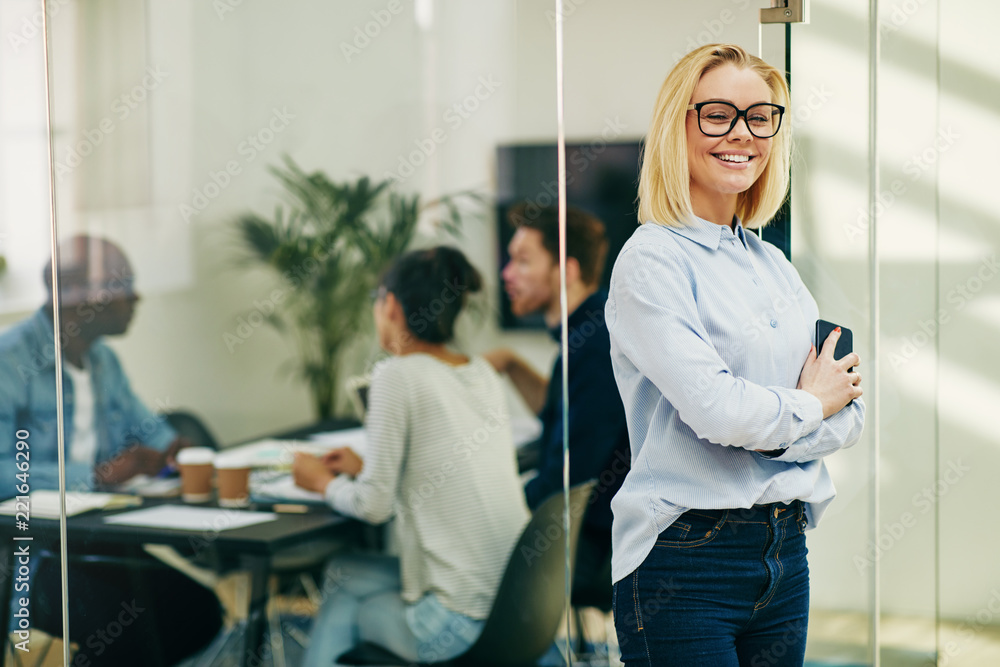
x=195, y=455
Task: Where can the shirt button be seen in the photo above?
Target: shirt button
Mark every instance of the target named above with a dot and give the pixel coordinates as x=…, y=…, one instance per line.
x=774, y=324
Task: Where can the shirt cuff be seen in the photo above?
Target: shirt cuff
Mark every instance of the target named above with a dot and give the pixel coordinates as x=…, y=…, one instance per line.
x=333, y=489
x=809, y=410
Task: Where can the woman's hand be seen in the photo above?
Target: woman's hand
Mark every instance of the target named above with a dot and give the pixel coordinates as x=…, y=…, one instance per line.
x=343, y=460
x=310, y=473
x=827, y=378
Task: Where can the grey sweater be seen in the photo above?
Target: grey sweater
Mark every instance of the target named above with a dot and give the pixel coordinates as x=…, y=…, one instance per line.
x=440, y=459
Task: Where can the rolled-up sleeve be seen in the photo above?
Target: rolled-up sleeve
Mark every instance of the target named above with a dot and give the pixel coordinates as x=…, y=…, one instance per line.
x=371, y=496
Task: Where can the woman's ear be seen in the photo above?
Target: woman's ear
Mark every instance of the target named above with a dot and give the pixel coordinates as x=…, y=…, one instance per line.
x=394, y=309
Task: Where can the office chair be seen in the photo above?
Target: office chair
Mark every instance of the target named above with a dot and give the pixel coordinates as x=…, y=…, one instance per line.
x=189, y=426
x=530, y=601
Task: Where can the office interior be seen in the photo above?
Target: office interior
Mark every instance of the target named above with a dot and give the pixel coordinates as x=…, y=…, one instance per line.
x=167, y=118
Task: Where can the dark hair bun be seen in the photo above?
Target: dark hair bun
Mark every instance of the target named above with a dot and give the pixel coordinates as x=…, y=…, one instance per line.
x=462, y=272
x=432, y=286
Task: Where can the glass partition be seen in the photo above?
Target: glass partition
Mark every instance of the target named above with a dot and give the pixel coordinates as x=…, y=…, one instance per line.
x=30, y=556
x=831, y=228
x=222, y=237
x=232, y=180
x=615, y=74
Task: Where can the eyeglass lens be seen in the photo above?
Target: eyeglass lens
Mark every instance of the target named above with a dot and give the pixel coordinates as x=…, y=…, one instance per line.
x=718, y=118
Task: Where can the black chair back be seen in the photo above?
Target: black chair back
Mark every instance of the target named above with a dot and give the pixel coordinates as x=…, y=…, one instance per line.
x=532, y=596
x=530, y=601
x=191, y=427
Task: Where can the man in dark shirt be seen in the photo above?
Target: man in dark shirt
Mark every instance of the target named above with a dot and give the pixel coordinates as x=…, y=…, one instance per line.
x=598, y=436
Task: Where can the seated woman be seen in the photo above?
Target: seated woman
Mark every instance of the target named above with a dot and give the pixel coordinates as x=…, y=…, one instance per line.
x=440, y=459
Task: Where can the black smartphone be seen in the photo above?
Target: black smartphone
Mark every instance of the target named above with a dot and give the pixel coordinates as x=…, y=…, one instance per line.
x=844, y=346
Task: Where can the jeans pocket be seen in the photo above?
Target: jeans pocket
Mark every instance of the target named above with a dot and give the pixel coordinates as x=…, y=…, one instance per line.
x=692, y=529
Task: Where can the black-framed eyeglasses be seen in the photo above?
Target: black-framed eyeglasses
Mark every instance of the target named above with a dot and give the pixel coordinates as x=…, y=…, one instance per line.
x=717, y=119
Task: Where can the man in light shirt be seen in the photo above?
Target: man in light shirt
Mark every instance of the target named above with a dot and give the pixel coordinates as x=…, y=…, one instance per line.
x=110, y=436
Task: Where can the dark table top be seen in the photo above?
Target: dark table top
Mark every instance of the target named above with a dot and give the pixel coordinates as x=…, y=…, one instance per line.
x=260, y=539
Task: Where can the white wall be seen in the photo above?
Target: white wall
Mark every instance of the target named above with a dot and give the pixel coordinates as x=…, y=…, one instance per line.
x=228, y=72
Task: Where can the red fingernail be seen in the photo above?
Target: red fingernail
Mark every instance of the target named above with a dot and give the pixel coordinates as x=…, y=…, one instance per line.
x=837, y=329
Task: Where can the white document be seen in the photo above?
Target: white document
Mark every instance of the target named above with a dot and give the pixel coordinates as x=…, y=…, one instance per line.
x=355, y=438
x=268, y=486
x=151, y=487
x=45, y=504
x=181, y=517
x=273, y=453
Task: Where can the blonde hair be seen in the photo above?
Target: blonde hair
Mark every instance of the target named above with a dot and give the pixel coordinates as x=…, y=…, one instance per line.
x=664, y=182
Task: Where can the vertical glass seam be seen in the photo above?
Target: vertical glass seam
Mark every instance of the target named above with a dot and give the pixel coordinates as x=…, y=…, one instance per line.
x=57, y=343
x=563, y=309
x=937, y=342
x=874, y=55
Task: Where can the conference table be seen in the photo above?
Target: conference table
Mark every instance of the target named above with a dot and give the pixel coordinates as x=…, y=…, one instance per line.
x=249, y=548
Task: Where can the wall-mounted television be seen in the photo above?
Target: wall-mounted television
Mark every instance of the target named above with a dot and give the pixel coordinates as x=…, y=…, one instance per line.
x=601, y=178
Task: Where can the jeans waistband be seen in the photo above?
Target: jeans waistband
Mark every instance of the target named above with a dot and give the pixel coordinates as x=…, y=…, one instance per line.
x=795, y=508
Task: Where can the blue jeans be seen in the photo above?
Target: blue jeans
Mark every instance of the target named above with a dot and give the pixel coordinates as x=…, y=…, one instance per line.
x=362, y=604
x=721, y=588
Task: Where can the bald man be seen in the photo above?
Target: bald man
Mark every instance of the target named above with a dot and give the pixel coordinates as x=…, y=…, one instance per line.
x=110, y=435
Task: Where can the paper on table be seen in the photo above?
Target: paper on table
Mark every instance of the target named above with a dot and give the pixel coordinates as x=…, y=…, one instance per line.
x=152, y=487
x=180, y=517
x=355, y=438
x=271, y=452
x=45, y=504
x=270, y=487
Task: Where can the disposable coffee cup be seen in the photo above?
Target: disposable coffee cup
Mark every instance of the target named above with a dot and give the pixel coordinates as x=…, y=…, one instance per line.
x=196, y=466
x=233, y=481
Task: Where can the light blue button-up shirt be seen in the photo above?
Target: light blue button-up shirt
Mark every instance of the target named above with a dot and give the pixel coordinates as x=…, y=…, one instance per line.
x=709, y=332
x=28, y=403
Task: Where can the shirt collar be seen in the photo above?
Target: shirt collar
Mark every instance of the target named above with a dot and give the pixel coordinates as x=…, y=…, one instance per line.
x=44, y=336
x=707, y=233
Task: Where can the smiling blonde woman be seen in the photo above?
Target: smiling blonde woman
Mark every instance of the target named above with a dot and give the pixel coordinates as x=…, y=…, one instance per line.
x=730, y=409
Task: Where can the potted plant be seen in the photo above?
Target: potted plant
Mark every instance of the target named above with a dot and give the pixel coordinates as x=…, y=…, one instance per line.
x=329, y=241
